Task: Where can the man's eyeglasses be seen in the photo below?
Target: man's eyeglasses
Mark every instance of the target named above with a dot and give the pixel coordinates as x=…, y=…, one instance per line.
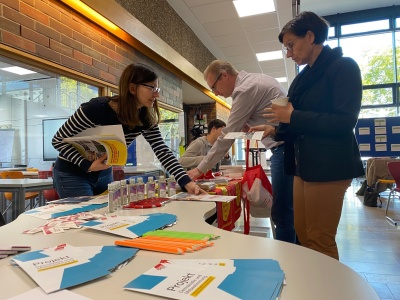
x=215, y=82
x=154, y=89
x=289, y=47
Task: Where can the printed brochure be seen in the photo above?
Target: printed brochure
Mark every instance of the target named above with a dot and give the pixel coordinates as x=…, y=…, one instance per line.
x=222, y=279
x=64, y=266
x=93, y=143
x=131, y=226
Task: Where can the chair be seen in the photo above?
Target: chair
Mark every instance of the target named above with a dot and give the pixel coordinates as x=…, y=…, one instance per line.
x=2, y=220
x=394, y=169
x=49, y=195
x=118, y=173
x=9, y=196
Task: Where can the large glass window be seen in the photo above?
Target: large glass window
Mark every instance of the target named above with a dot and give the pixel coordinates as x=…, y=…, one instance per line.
x=169, y=126
x=29, y=96
x=365, y=27
x=32, y=98
x=374, y=59
x=377, y=96
x=397, y=41
x=375, y=46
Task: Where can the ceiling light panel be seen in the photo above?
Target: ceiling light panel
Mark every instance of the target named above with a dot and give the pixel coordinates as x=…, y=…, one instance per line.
x=18, y=70
x=269, y=55
x=247, y=8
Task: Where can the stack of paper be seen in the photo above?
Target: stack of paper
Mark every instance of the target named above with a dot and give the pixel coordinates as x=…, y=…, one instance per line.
x=222, y=279
x=131, y=226
x=64, y=266
x=52, y=211
x=257, y=135
x=202, y=198
x=10, y=250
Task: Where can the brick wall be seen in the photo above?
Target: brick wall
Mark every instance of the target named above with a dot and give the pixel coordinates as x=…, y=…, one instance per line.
x=212, y=110
x=52, y=31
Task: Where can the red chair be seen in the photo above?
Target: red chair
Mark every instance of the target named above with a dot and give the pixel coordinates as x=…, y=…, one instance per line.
x=118, y=173
x=394, y=170
x=49, y=195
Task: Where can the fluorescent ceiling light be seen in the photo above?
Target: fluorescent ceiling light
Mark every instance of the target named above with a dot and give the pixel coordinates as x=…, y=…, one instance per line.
x=281, y=79
x=41, y=116
x=269, y=55
x=18, y=70
x=246, y=8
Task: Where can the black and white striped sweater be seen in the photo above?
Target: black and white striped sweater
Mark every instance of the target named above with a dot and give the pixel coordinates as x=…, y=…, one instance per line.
x=97, y=112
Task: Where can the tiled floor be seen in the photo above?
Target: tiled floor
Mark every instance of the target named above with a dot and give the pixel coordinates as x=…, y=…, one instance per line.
x=367, y=242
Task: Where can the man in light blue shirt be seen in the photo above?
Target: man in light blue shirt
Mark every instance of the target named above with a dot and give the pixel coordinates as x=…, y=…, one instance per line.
x=251, y=94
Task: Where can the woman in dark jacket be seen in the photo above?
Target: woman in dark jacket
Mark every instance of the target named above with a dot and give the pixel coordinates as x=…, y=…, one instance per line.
x=317, y=127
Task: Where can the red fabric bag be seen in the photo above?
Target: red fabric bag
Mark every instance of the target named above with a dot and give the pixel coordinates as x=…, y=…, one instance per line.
x=256, y=192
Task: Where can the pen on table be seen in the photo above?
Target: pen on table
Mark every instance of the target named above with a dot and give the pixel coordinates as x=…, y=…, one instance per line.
x=189, y=241
x=182, y=234
x=185, y=246
x=173, y=250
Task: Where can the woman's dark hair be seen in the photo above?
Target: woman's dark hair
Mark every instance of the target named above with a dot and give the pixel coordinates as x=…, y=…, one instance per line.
x=304, y=22
x=128, y=109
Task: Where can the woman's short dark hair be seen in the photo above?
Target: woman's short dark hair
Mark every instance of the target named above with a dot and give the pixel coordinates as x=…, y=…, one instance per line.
x=304, y=22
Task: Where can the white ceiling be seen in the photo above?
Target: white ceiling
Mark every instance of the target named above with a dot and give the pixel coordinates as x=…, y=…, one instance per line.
x=228, y=37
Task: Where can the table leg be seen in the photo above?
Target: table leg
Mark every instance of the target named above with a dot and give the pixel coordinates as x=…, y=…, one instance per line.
x=3, y=202
x=3, y=205
x=20, y=205
x=41, y=199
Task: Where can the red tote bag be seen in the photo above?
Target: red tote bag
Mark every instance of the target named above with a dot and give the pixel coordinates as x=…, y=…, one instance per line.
x=256, y=192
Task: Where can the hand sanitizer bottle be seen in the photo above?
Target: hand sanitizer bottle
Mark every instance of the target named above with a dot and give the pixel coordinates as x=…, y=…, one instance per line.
x=110, y=198
x=151, y=187
x=117, y=195
x=162, y=187
x=171, y=186
x=132, y=190
x=124, y=193
x=140, y=188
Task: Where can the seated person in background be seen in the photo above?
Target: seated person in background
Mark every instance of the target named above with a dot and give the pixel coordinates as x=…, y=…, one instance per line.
x=199, y=148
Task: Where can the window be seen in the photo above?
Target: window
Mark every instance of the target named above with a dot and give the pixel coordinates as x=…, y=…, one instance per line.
x=364, y=27
x=169, y=126
x=30, y=97
x=331, y=32
x=375, y=46
x=374, y=59
x=377, y=96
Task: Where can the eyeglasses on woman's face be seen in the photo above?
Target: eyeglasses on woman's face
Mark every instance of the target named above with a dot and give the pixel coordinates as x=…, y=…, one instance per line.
x=289, y=47
x=154, y=89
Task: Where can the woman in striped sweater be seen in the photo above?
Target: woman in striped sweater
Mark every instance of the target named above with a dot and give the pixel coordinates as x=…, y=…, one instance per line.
x=135, y=108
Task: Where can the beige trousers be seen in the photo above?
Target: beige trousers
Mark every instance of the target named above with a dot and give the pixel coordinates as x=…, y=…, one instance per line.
x=317, y=209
